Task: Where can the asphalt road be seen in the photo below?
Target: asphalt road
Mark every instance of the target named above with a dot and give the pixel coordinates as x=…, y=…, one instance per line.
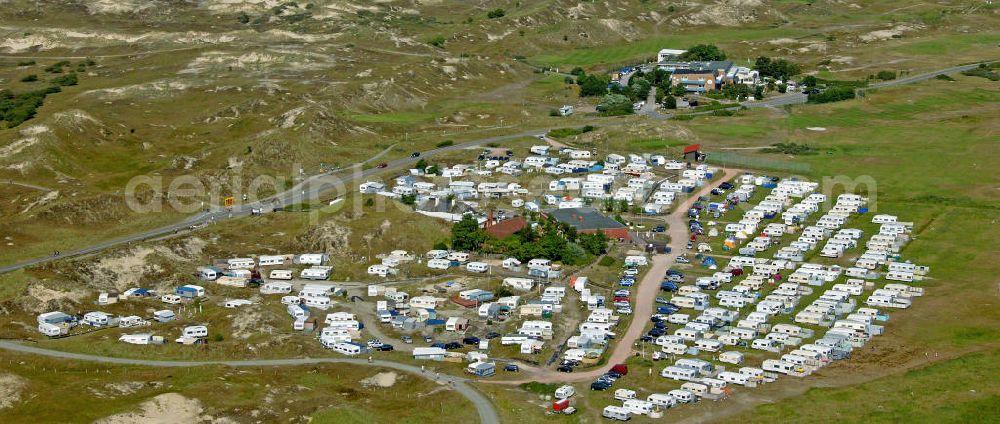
x=487, y=413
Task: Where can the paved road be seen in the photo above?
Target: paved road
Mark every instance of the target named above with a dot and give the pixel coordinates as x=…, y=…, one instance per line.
x=487, y=414
x=921, y=77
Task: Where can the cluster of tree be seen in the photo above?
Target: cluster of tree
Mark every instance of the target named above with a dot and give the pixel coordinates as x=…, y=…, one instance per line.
x=555, y=241
x=885, y=75
x=614, y=104
x=593, y=85
x=780, y=69
x=832, y=94
x=984, y=71
x=427, y=168
x=17, y=108
x=703, y=52
x=790, y=149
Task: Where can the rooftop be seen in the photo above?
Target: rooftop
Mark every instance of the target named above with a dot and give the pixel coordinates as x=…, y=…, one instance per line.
x=583, y=219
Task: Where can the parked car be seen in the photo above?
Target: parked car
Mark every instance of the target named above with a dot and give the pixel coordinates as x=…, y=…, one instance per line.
x=374, y=343
x=600, y=385
x=565, y=368
x=492, y=335
x=662, y=300
x=659, y=229
x=682, y=260
x=471, y=340
x=511, y=368
x=667, y=309
x=453, y=345
x=385, y=348
x=669, y=286
x=407, y=339
x=726, y=185
x=439, y=345
x=428, y=339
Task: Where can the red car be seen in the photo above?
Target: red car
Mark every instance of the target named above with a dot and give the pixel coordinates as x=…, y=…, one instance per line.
x=621, y=299
x=382, y=165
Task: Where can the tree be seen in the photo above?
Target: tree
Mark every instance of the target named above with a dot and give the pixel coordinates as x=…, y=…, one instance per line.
x=437, y=41
x=809, y=81
x=593, y=85
x=758, y=92
x=670, y=102
x=615, y=104
x=408, y=199
x=703, y=52
x=29, y=78
x=466, y=234
x=243, y=18
x=639, y=88
x=496, y=13
x=832, y=94
x=594, y=243
x=578, y=71
x=886, y=75
x=679, y=90
x=421, y=164
x=778, y=69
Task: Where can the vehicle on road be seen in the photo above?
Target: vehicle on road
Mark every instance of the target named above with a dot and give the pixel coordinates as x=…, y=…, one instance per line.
x=385, y=348
x=415, y=154
x=382, y=165
x=511, y=368
x=565, y=368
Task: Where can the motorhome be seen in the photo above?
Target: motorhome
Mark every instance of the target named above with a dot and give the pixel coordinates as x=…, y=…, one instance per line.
x=318, y=302
x=316, y=273
x=280, y=274
x=240, y=263
x=460, y=257
x=477, y=267
x=270, y=260
x=662, y=400
x=678, y=373
x=616, y=413
x=735, y=378
x=276, y=287
x=682, y=396
x=349, y=349
x=194, y=331
x=768, y=345
x=697, y=389
x=638, y=406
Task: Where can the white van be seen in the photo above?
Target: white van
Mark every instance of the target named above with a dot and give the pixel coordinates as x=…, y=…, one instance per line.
x=280, y=274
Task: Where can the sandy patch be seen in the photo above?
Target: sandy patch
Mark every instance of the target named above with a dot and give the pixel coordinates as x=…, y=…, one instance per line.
x=29, y=137
x=381, y=380
x=167, y=408
x=28, y=42
x=886, y=34
x=10, y=390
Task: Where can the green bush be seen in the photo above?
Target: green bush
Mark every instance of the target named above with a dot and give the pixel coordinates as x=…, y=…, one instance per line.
x=496, y=13
x=833, y=94
x=983, y=71
x=790, y=149
x=437, y=41
x=446, y=143
x=26, y=63
x=886, y=75
x=65, y=80
x=606, y=261
x=29, y=78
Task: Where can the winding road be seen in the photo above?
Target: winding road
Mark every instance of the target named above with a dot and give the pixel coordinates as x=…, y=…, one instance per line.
x=487, y=413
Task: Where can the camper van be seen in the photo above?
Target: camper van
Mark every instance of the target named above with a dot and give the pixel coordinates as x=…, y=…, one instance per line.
x=697, y=389
x=318, y=302
x=290, y=300
x=638, y=406
x=678, y=373
x=276, y=288
x=316, y=273
x=194, y=331
x=240, y=263
x=616, y=413
x=735, y=378
x=280, y=274
x=460, y=257
x=478, y=267
x=682, y=396
x=52, y=330
x=270, y=260
x=349, y=349
x=165, y=315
